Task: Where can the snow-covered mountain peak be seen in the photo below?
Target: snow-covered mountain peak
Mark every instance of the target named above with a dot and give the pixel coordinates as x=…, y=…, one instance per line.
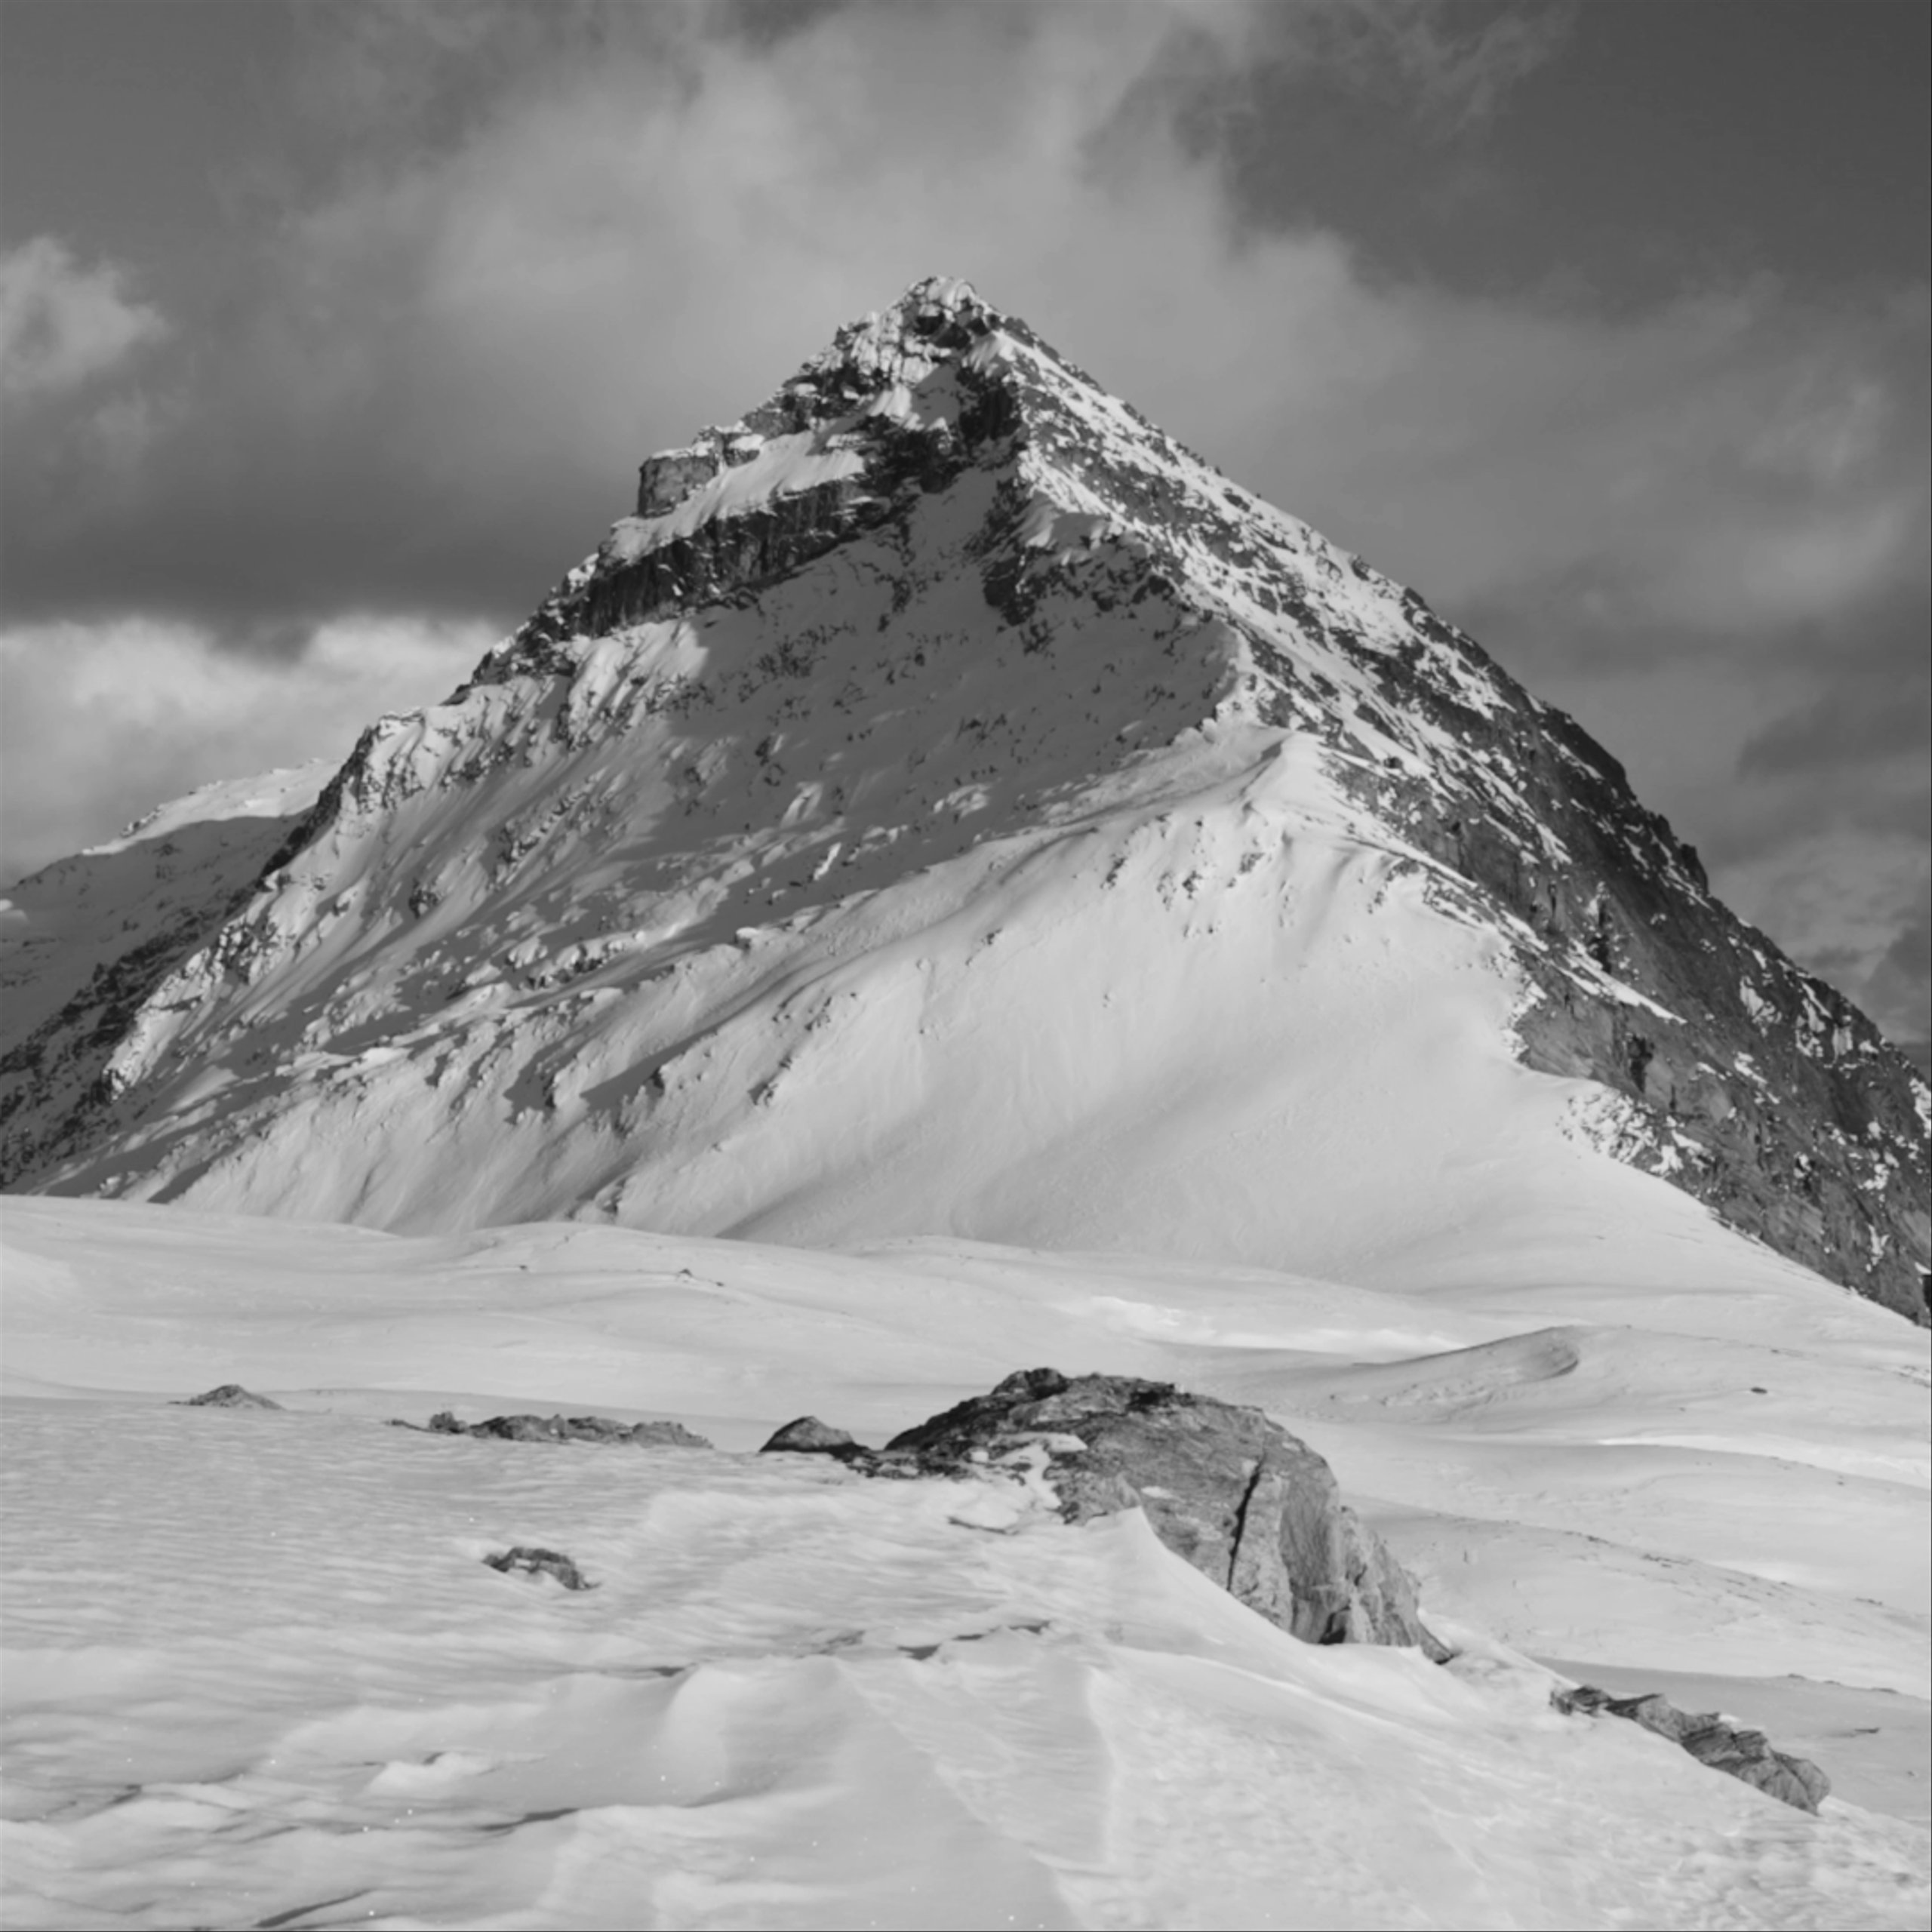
x=937, y=317
x=1050, y=483
x=941, y=757
x=880, y=366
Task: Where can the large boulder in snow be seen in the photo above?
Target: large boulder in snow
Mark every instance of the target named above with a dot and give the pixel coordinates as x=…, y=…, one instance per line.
x=807, y=1436
x=1240, y=1498
x=1712, y=1739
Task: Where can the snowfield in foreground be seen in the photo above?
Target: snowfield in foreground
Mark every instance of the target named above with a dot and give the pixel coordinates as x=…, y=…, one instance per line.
x=258, y=1672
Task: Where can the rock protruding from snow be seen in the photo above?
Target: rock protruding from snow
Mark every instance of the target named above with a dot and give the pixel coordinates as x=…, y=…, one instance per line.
x=1712, y=1739
x=808, y=1436
x=532, y=1560
x=1235, y=1494
x=569, y=1428
x=228, y=1395
x=664, y=481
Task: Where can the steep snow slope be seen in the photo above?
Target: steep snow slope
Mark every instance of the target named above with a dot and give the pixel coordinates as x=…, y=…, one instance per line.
x=948, y=804
x=256, y=1668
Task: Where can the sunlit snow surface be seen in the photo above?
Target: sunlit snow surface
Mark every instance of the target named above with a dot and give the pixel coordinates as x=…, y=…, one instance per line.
x=258, y=1673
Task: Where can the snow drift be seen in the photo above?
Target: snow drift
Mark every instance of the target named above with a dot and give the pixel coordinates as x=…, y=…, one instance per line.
x=258, y=1668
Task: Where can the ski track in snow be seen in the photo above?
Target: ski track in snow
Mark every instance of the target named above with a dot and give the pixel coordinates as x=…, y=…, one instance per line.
x=257, y=1671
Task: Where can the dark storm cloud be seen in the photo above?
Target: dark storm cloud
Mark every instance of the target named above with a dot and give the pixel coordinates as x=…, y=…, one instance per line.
x=1649, y=152
x=1877, y=705
x=1910, y=955
x=1438, y=70
x=1889, y=978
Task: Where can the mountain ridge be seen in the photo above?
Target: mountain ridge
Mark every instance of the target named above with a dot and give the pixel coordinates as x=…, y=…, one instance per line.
x=941, y=596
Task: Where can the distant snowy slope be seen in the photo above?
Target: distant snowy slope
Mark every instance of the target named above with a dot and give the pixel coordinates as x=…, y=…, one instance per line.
x=949, y=805
x=157, y=889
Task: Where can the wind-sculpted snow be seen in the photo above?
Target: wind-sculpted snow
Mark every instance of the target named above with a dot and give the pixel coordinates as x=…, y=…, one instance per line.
x=261, y=1666
x=856, y=1706
x=949, y=803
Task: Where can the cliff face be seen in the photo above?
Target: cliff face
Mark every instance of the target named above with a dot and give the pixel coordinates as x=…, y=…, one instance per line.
x=1749, y=1082
x=940, y=636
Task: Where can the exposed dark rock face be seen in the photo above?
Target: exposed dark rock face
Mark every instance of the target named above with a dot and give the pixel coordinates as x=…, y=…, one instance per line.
x=664, y=481
x=70, y=1054
x=1752, y=1085
x=189, y=882
x=229, y=1395
x=569, y=1428
x=530, y=1560
x=1741, y=1753
x=1235, y=1494
x=808, y=1436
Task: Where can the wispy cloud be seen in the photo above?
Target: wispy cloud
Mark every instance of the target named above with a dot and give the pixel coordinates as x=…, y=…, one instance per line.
x=62, y=324
x=1455, y=64
x=103, y=720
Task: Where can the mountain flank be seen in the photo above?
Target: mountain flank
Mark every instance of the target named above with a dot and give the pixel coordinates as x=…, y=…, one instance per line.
x=949, y=804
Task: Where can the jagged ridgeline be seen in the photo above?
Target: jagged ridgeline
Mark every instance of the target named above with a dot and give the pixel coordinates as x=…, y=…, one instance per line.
x=949, y=803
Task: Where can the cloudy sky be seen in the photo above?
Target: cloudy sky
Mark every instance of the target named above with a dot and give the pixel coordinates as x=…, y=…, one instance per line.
x=333, y=335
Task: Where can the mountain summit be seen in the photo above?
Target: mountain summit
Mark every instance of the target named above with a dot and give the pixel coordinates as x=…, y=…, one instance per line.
x=947, y=804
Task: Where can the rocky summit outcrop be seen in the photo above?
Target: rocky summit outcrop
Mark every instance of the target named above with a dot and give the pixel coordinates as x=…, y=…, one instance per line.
x=1244, y=1501
x=1712, y=1739
x=566, y=1428
x=940, y=610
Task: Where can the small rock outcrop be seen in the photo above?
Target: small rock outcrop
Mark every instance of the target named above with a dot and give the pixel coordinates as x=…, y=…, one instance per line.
x=1712, y=1739
x=529, y=1560
x=569, y=1428
x=1240, y=1498
x=664, y=481
x=228, y=1395
x=808, y=1436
